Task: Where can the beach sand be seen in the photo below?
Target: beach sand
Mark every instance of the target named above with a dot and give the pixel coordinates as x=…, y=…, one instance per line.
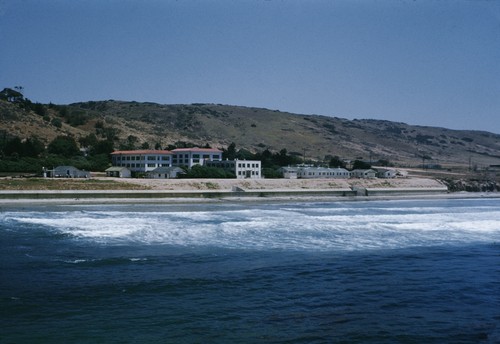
x=279, y=184
x=223, y=190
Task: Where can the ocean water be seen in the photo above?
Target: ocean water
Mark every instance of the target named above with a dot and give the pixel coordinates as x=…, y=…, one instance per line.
x=414, y=271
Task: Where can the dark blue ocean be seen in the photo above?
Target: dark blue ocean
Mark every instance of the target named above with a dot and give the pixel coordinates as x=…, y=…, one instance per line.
x=413, y=271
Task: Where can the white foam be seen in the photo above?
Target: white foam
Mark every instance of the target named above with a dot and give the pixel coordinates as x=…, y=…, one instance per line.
x=324, y=227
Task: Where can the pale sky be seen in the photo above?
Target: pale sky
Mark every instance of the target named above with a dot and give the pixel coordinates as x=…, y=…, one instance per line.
x=423, y=62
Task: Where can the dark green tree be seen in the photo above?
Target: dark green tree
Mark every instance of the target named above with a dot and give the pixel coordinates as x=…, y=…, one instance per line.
x=56, y=122
x=103, y=147
x=360, y=165
x=88, y=141
x=65, y=146
x=336, y=162
x=230, y=152
x=39, y=109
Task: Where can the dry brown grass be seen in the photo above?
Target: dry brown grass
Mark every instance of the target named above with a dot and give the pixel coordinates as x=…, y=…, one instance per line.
x=66, y=184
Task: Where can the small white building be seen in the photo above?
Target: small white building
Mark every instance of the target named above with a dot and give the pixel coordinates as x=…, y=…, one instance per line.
x=364, y=174
x=118, y=172
x=195, y=156
x=289, y=172
x=165, y=173
x=386, y=173
x=66, y=172
x=242, y=169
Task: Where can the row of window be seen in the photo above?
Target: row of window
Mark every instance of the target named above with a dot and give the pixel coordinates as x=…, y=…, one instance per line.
x=323, y=174
x=166, y=157
x=243, y=173
x=140, y=158
x=143, y=165
x=247, y=165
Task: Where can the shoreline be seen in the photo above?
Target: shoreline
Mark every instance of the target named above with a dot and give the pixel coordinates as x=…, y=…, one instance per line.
x=85, y=197
x=189, y=191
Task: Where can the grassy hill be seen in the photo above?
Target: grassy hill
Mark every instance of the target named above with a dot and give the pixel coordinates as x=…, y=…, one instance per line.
x=255, y=129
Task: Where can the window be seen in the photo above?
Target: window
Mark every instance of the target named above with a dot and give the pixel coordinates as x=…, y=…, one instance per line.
x=151, y=157
x=206, y=156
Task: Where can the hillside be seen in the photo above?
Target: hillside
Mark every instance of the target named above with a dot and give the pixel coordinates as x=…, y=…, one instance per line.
x=256, y=129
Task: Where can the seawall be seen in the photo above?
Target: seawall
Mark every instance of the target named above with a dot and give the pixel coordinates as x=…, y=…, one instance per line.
x=139, y=195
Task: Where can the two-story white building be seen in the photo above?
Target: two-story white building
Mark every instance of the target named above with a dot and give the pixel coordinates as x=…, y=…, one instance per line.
x=242, y=169
x=142, y=160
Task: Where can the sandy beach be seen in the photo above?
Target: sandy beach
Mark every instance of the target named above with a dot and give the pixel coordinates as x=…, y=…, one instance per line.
x=280, y=184
x=243, y=190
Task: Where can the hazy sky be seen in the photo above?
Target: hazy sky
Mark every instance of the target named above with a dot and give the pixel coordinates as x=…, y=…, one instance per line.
x=424, y=62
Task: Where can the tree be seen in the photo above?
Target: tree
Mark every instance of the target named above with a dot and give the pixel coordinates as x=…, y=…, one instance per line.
x=103, y=147
x=33, y=147
x=56, y=122
x=88, y=141
x=12, y=96
x=360, y=165
x=39, y=109
x=65, y=146
x=130, y=144
x=336, y=162
x=230, y=152
x=198, y=171
x=13, y=146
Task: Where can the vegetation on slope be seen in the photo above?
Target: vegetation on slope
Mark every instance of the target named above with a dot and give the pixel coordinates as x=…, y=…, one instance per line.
x=28, y=131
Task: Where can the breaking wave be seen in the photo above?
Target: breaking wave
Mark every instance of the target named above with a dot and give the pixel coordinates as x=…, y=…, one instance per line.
x=316, y=226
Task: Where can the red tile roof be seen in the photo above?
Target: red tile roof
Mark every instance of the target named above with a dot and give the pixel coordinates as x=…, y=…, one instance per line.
x=143, y=151
x=195, y=149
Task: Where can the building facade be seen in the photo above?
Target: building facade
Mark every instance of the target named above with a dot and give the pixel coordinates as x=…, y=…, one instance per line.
x=142, y=160
x=165, y=173
x=386, y=173
x=322, y=172
x=364, y=174
x=65, y=172
x=242, y=169
x=118, y=172
x=311, y=172
x=195, y=156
